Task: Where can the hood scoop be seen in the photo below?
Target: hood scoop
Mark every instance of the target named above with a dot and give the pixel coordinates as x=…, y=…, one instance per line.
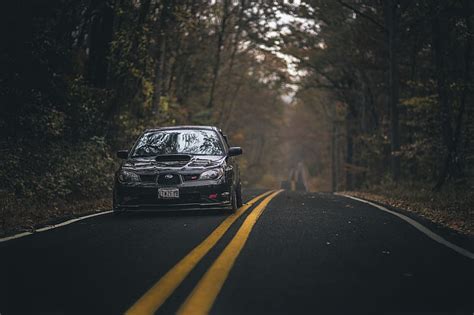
x=175, y=160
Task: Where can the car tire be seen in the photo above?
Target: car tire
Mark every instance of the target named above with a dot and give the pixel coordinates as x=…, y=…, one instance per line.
x=239, y=196
x=233, y=202
x=115, y=209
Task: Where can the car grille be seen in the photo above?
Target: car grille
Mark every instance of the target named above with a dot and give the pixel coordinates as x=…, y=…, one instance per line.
x=188, y=177
x=148, y=178
x=169, y=179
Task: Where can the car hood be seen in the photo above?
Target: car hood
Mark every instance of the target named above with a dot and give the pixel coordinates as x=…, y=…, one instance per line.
x=169, y=163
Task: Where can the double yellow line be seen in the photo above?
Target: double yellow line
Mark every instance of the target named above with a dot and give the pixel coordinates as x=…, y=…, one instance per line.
x=202, y=297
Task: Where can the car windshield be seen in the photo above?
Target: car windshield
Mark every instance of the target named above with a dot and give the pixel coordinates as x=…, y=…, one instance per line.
x=179, y=141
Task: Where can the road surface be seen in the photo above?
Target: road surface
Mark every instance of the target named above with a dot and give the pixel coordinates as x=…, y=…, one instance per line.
x=289, y=252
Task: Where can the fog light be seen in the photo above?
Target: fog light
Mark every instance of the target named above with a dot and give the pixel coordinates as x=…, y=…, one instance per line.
x=212, y=196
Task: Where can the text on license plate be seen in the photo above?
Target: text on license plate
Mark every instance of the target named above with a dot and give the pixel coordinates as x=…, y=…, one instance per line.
x=168, y=193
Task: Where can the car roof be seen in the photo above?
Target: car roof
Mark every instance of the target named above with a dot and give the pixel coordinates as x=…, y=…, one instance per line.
x=184, y=127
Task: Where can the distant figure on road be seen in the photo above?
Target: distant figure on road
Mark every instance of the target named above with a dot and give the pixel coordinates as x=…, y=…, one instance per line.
x=296, y=179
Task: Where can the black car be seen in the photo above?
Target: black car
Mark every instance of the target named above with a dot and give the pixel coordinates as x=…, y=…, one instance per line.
x=184, y=167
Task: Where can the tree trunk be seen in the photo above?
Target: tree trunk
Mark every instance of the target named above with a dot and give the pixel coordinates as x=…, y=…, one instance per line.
x=160, y=49
x=217, y=62
x=468, y=12
x=235, y=46
x=100, y=36
x=158, y=77
x=392, y=20
x=142, y=18
x=334, y=136
x=349, y=153
x=451, y=136
x=445, y=110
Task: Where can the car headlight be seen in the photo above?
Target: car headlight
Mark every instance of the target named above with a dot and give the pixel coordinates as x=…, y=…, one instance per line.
x=127, y=177
x=212, y=174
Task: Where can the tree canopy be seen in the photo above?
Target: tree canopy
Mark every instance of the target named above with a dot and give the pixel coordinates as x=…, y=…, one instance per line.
x=362, y=91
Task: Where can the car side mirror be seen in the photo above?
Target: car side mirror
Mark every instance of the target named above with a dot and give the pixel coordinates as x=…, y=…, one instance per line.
x=234, y=151
x=122, y=154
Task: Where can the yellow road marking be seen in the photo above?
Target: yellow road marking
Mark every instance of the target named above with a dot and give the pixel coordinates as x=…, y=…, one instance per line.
x=204, y=294
x=157, y=295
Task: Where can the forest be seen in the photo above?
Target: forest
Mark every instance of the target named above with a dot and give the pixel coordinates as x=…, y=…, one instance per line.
x=372, y=96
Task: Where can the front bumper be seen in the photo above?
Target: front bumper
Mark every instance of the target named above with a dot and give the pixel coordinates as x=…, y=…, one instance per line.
x=192, y=196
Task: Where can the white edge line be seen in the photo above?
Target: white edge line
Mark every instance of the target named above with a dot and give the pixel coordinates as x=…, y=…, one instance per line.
x=418, y=226
x=50, y=227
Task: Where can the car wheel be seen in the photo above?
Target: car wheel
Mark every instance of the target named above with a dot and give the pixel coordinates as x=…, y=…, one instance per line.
x=234, y=201
x=239, y=196
x=115, y=209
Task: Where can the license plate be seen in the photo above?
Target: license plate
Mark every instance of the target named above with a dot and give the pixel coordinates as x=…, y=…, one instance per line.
x=168, y=193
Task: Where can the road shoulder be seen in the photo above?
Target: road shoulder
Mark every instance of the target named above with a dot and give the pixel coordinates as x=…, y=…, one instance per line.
x=465, y=241
x=53, y=223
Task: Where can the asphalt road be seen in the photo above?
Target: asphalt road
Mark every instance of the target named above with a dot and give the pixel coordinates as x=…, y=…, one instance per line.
x=307, y=253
